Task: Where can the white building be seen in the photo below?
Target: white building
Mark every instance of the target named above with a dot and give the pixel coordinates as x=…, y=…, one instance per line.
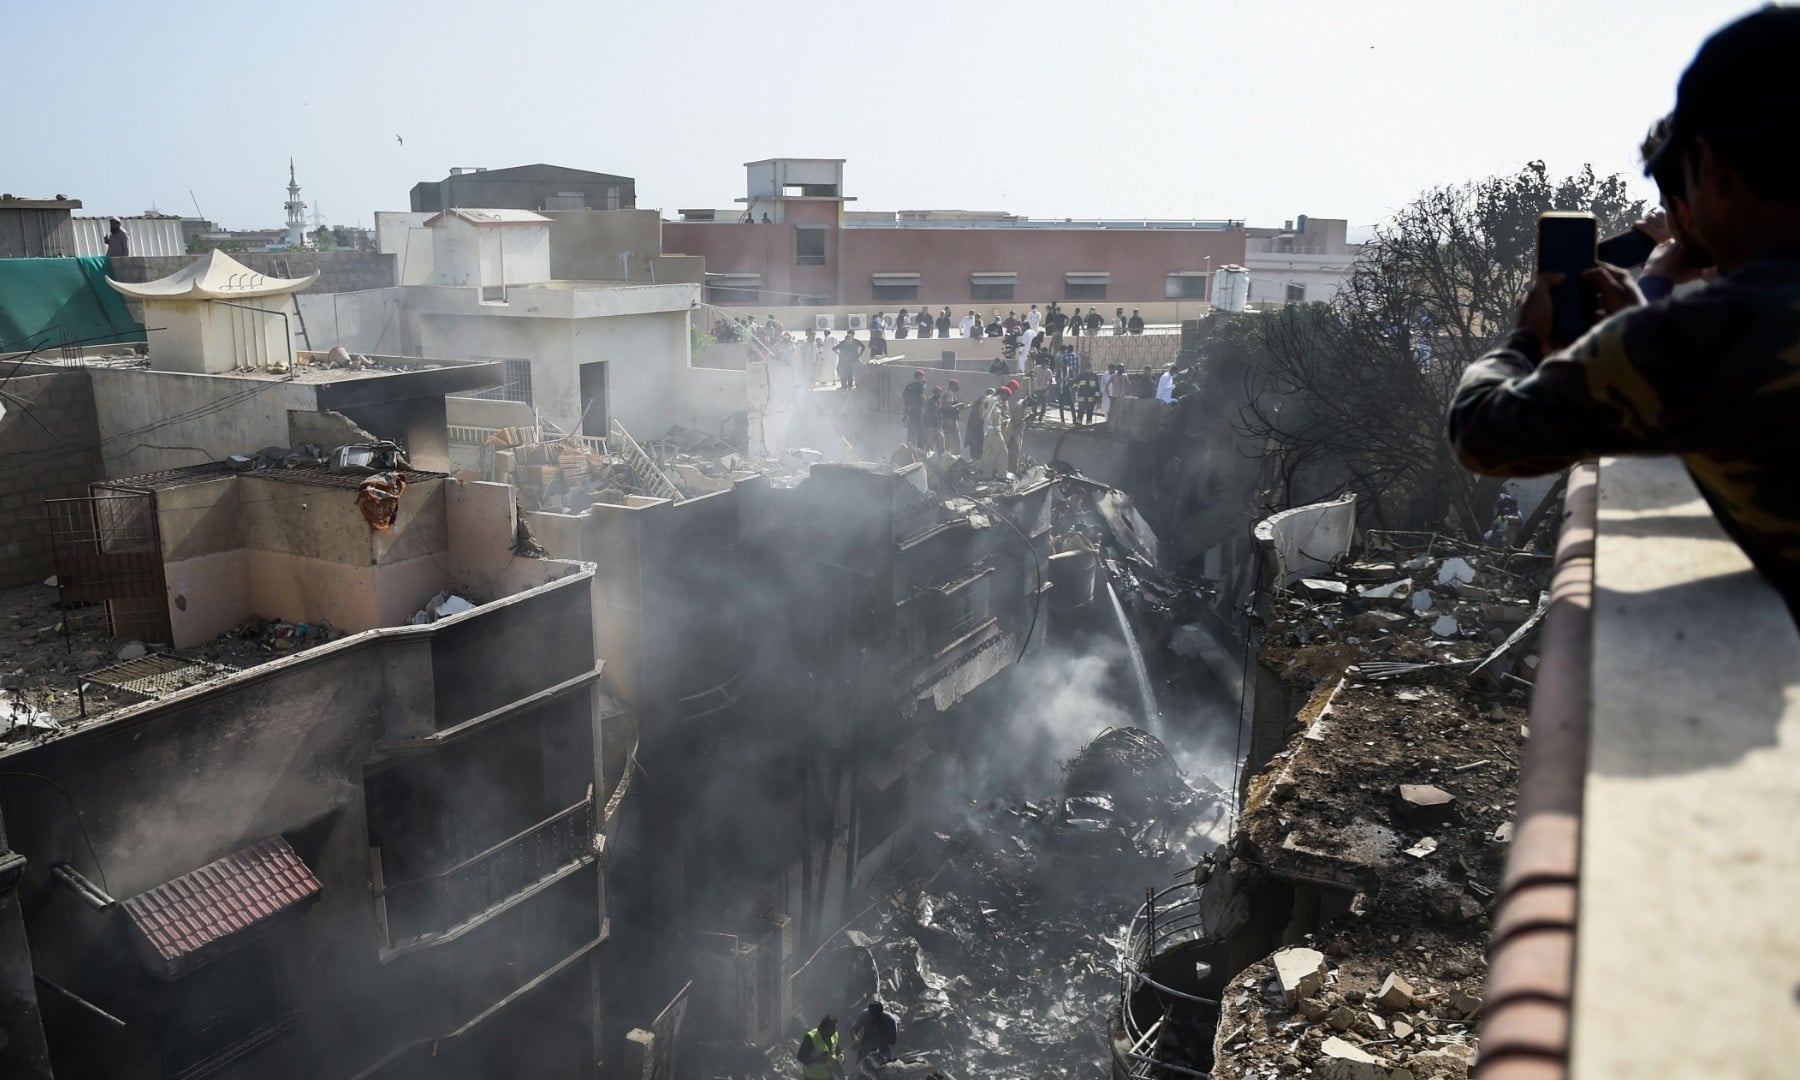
x=1306, y=260
x=579, y=354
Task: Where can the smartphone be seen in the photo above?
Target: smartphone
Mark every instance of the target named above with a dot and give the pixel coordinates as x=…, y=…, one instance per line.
x=1628, y=249
x=1567, y=245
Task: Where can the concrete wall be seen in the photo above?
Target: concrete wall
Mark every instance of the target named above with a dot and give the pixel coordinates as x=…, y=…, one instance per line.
x=404, y=236
x=35, y=233
x=168, y=786
x=49, y=449
x=469, y=254
x=365, y=322
x=247, y=545
x=163, y=420
x=604, y=245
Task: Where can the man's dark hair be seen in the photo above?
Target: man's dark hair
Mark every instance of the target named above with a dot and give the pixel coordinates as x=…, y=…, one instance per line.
x=1664, y=169
x=829, y=1021
x=1740, y=95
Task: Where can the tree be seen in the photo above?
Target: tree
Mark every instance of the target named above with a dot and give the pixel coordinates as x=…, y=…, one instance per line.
x=322, y=240
x=1360, y=388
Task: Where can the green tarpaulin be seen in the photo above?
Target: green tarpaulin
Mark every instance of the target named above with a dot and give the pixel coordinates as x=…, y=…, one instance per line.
x=47, y=303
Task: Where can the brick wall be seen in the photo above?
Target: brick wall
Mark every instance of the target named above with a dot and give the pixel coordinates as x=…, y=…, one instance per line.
x=38, y=464
x=339, y=271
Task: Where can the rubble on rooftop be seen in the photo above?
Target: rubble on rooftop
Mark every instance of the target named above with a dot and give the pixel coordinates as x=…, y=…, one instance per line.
x=1391, y=805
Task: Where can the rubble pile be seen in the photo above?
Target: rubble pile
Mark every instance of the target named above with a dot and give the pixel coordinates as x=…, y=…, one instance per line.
x=1394, y=799
x=43, y=674
x=568, y=474
x=1003, y=962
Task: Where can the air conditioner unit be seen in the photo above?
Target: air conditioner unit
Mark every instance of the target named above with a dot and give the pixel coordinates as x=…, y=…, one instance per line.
x=858, y=322
x=826, y=323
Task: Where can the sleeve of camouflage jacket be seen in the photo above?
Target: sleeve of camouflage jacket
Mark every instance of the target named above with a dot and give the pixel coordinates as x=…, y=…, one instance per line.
x=1605, y=394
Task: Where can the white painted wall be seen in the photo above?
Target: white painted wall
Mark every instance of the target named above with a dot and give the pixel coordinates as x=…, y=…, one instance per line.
x=203, y=336
x=466, y=254
x=403, y=234
x=1321, y=275
x=363, y=322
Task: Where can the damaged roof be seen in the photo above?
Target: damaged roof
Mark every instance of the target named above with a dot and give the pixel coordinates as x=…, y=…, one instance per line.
x=188, y=921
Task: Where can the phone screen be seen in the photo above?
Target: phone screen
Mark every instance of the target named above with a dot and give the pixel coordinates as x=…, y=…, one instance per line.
x=1566, y=246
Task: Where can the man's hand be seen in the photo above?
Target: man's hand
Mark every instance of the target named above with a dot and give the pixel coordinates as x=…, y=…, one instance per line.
x=1656, y=226
x=1535, y=311
x=1614, y=289
x=1670, y=261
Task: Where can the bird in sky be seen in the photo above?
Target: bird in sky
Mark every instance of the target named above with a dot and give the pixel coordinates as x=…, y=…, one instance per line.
x=399, y=140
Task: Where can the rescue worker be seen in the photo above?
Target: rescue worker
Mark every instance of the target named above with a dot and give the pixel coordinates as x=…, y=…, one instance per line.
x=875, y=1033
x=912, y=408
x=818, y=1052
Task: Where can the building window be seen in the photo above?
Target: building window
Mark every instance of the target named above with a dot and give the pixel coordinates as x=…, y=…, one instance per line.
x=612, y=197
x=894, y=287
x=219, y=1013
x=1090, y=285
x=992, y=286
x=1296, y=294
x=1185, y=285
x=515, y=384
x=809, y=245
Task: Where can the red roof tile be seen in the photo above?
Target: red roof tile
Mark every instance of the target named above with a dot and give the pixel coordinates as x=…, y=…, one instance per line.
x=186, y=921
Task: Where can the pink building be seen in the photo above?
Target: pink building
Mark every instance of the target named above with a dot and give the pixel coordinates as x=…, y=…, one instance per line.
x=796, y=244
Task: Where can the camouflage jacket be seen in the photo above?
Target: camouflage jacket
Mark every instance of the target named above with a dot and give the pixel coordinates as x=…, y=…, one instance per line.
x=1713, y=376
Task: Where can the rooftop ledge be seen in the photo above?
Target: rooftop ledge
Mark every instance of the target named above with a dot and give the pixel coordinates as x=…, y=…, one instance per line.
x=1656, y=804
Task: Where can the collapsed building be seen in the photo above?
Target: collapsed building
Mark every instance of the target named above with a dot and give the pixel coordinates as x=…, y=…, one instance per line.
x=377, y=850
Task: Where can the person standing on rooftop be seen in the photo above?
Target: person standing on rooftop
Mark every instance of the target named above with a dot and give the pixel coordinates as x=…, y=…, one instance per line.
x=118, y=241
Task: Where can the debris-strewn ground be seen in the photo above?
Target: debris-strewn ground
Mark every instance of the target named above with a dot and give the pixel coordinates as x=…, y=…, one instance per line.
x=42, y=673
x=1398, y=791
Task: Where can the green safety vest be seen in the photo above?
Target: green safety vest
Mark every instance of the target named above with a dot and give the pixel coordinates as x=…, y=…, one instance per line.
x=824, y=1054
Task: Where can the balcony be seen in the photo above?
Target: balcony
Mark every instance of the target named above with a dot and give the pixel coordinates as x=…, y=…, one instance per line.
x=1654, y=802
x=440, y=907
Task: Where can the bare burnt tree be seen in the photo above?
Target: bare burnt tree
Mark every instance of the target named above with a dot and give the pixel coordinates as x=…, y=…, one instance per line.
x=1359, y=389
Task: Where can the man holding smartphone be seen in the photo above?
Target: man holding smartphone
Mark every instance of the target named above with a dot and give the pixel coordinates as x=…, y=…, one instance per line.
x=1713, y=375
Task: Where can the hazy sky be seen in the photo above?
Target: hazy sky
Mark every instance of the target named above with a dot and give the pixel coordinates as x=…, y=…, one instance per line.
x=1053, y=108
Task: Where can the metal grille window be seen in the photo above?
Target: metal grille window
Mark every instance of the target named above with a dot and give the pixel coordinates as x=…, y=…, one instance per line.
x=894, y=286
x=1296, y=294
x=516, y=384
x=992, y=286
x=809, y=245
x=1086, y=285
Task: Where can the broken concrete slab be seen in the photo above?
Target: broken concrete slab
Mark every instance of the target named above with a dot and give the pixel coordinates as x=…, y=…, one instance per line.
x=1299, y=973
x=1395, y=993
x=1465, y=1006
x=1342, y=1060
x=1446, y=626
x=1421, y=600
x=133, y=650
x=1324, y=588
x=1425, y=805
